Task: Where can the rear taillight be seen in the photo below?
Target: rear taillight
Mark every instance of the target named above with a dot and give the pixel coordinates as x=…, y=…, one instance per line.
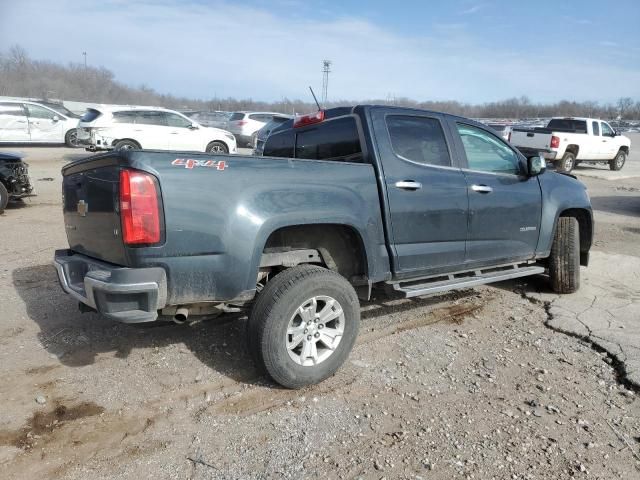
x=139, y=208
x=242, y=122
x=555, y=142
x=309, y=119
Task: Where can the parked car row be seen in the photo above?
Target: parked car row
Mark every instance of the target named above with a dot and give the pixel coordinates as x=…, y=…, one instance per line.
x=106, y=128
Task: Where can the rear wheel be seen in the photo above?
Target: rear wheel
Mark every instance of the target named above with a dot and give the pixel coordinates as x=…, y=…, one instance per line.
x=71, y=138
x=4, y=198
x=217, y=147
x=618, y=162
x=127, y=145
x=564, y=262
x=567, y=163
x=303, y=325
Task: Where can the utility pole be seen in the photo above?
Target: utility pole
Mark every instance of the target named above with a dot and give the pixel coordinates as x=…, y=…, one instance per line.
x=85, y=60
x=326, y=69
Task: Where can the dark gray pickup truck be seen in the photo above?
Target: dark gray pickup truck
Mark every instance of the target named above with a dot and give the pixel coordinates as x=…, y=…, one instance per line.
x=344, y=200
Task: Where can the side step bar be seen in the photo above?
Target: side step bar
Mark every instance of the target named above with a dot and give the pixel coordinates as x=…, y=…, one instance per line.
x=457, y=281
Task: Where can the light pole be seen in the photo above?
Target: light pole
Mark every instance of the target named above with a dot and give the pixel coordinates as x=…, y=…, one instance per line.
x=85, y=59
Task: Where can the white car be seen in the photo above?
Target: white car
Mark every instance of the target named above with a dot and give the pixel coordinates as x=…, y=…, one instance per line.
x=32, y=122
x=568, y=141
x=244, y=124
x=125, y=128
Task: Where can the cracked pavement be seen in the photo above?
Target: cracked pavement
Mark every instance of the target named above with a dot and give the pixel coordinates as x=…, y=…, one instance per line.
x=605, y=311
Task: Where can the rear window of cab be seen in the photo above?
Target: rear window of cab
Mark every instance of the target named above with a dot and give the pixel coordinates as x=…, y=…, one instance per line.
x=336, y=140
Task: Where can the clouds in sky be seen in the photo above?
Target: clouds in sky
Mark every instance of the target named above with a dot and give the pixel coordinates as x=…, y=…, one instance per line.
x=205, y=49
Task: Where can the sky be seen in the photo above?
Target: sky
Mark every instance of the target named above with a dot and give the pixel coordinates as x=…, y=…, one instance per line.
x=467, y=50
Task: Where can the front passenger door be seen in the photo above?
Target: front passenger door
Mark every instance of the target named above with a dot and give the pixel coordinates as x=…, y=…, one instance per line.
x=181, y=136
x=45, y=125
x=504, y=202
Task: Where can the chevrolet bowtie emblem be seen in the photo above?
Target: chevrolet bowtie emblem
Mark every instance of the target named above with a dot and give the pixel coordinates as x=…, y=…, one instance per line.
x=83, y=208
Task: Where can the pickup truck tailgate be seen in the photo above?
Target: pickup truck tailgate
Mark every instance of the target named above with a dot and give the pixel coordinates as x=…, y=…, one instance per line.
x=91, y=212
x=531, y=139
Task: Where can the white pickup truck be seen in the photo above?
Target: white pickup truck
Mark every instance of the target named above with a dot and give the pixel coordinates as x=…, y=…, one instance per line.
x=569, y=141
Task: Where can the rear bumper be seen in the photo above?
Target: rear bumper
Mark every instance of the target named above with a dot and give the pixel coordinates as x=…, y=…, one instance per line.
x=129, y=295
x=531, y=152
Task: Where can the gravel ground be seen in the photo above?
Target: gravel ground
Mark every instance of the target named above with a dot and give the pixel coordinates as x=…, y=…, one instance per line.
x=464, y=385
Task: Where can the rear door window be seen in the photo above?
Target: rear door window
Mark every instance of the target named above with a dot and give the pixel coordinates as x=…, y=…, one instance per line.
x=596, y=128
x=12, y=109
x=123, y=117
x=332, y=139
x=151, y=117
x=236, y=116
x=418, y=139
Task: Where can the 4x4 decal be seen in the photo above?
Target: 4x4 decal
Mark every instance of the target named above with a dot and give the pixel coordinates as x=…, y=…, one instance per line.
x=191, y=163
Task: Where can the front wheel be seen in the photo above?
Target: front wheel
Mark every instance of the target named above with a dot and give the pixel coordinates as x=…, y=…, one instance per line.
x=567, y=163
x=217, y=147
x=303, y=325
x=618, y=162
x=564, y=262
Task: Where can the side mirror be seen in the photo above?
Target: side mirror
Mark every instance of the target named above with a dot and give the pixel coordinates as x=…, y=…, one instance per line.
x=536, y=165
x=193, y=126
x=55, y=118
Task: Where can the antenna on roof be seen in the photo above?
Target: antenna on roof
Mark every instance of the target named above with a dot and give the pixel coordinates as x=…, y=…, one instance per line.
x=314, y=97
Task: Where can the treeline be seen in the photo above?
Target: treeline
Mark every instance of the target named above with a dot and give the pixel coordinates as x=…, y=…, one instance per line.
x=22, y=76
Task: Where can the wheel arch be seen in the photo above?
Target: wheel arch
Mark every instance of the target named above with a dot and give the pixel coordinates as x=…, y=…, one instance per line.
x=341, y=247
x=585, y=224
x=218, y=141
x=573, y=148
x=115, y=142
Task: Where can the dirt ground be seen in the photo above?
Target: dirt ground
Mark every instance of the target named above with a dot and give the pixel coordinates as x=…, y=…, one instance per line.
x=468, y=385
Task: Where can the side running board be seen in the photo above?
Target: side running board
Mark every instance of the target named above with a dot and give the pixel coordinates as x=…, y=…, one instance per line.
x=457, y=281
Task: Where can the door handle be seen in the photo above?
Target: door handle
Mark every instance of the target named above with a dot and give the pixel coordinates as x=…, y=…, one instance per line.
x=408, y=185
x=481, y=188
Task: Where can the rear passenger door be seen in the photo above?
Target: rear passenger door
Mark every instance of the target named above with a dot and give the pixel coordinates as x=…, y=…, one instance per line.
x=504, y=202
x=151, y=130
x=14, y=126
x=426, y=192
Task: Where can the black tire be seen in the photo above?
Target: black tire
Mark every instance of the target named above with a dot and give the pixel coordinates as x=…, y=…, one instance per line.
x=71, y=138
x=4, y=198
x=217, y=148
x=564, y=262
x=567, y=162
x=278, y=304
x=618, y=162
x=127, y=145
